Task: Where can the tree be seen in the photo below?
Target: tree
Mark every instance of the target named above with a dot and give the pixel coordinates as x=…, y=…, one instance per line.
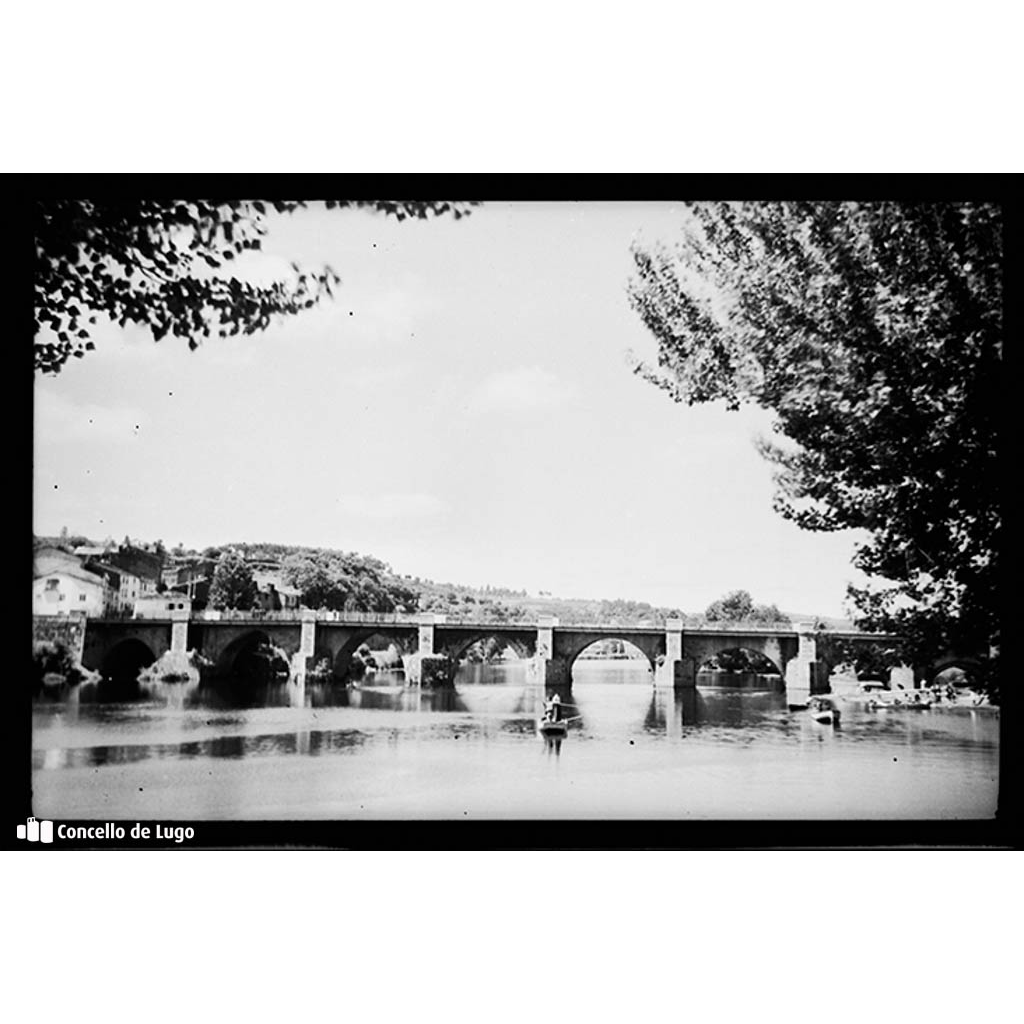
x=738, y=606
x=733, y=607
x=233, y=585
x=873, y=332
x=740, y=660
x=330, y=579
x=134, y=260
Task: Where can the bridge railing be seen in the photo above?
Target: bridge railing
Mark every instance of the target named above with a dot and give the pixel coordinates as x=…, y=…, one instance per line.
x=373, y=618
x=741, y=627
x=296, y=614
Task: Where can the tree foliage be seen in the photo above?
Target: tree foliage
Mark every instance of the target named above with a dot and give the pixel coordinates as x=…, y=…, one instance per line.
x=346, y=582
x=233, y=584
x=740, y=660
x=738, y=606
x=867, y=660
x=164, y=264
x=873, y=332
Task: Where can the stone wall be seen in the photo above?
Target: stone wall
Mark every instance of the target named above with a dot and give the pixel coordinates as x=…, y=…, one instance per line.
x=66, y=629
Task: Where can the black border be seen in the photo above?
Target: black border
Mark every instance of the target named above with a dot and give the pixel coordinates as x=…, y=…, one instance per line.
x=1002, y=832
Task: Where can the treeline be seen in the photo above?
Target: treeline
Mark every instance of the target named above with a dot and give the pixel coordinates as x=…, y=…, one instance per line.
x=577, y=611
x=349, y=581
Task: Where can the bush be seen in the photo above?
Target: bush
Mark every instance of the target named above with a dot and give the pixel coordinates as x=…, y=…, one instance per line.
x=52, y=657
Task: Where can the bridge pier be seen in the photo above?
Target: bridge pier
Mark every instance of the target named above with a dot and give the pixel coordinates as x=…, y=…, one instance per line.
x=556, y=672
x=682, y=674
x=179, y=631
x=901, y=677
x=430, y=670
x=677, y=671
x=547, y=668
x=805, y=675
x=300, y=659
x=174, y=661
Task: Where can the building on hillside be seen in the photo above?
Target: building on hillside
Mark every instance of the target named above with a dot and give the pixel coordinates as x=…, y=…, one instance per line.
x=86, y=551
x=192, y=579
x=125, y=587
x=69, y=588
x=160, y=606
x=147, y=565
x=274, y=595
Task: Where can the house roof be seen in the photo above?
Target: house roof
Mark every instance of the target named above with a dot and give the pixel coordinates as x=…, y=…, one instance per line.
x=47, y=564
x=97, y=566
x=68, y=569
x=49, y=554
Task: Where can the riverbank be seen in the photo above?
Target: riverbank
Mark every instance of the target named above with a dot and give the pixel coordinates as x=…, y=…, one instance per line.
x=905, y=701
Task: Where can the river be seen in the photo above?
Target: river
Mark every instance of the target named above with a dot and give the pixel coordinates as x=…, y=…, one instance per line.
x=183, y=752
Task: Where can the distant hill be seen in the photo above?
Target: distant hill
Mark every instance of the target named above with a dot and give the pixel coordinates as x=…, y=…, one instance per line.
x=495, y=603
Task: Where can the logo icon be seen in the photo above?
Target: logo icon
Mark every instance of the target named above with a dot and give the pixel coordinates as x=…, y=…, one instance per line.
x=36, y=831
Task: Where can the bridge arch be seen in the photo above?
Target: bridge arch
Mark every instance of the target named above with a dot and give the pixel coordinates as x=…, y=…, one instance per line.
x=126, y=659
x=740, y=660
x=650, y=655
x=458, y=650
x=342, y=660
x=238, y=656
x=971, y=667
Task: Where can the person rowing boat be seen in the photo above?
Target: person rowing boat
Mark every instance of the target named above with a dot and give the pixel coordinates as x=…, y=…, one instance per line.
x=553, y=709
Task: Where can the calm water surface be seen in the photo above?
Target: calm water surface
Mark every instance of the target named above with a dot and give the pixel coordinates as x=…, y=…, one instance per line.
x=190, y=753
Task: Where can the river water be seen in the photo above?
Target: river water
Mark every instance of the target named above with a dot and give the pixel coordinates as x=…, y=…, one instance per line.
x=184, y=752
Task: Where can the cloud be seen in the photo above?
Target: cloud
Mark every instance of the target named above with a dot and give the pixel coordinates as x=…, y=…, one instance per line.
x=525, y=389
x=390, y=506
x=58, y=420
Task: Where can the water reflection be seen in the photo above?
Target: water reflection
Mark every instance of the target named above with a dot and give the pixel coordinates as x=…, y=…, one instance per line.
x=249, y=749
x=305, y=741
x=552, y=745
x=333, y=695
x=736, y=709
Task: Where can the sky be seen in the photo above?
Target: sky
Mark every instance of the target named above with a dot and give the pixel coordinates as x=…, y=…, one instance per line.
x=464, y=410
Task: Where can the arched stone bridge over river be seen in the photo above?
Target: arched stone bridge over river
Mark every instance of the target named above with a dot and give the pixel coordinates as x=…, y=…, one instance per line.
x=432, y=646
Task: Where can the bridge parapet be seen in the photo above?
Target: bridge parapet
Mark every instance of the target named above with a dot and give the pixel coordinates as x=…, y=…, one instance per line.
x=542, y=622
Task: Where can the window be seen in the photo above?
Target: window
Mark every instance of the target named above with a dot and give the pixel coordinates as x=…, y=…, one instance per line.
x=81, y=597
x=52, y=584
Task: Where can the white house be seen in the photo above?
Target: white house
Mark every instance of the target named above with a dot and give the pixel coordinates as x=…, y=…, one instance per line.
x=68, y=588
x=160, y=606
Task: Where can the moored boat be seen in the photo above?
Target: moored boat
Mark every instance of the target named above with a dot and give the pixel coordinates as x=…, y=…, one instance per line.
x=897, y=704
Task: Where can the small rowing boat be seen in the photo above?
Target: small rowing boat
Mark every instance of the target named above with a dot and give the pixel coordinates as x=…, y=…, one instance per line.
x=823, y=711
x=548, y=728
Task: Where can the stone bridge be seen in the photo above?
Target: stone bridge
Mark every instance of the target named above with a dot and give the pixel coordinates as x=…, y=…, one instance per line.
x=432, y=646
